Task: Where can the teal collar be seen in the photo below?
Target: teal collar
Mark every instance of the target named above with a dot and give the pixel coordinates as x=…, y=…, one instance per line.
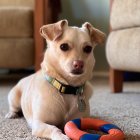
x=65, y=89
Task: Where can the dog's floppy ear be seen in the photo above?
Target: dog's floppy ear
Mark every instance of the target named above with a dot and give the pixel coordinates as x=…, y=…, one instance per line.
x=53, y=31
x=96, y=35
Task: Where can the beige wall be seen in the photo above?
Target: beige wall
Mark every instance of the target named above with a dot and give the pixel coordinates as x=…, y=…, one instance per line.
x=94, y=11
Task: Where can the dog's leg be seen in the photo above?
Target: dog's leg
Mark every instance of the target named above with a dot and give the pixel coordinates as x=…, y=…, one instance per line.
x=14, y=99
x=44, y=130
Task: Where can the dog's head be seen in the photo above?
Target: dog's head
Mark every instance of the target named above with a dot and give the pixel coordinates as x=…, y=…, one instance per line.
x=69, y=52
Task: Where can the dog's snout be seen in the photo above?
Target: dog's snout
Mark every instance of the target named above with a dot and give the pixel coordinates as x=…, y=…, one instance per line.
x=78, y=64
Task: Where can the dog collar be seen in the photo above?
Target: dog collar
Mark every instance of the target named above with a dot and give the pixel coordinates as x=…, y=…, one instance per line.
x=65, y=89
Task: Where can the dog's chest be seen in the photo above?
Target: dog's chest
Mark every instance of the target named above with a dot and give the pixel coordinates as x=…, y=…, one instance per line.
x=65, y=105
x=66, y=102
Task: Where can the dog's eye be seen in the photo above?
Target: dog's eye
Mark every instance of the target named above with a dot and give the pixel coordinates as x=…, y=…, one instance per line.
x=64, y=47
x=87, y=49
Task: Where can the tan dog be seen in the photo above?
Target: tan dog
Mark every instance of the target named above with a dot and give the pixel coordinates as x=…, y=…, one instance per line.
x=58, y=92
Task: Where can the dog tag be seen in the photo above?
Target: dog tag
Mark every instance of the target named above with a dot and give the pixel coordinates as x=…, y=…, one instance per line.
x=81, y=104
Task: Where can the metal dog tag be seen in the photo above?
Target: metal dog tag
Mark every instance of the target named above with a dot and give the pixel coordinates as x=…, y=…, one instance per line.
x=81, y=104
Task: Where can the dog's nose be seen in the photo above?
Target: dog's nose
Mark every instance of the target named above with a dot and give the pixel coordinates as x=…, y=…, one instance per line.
x=78, y=64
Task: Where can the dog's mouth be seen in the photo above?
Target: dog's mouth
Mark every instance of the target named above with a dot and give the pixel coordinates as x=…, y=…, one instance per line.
x=77, y=71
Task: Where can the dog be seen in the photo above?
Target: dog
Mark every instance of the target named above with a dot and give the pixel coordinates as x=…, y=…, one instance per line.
x=60, y=90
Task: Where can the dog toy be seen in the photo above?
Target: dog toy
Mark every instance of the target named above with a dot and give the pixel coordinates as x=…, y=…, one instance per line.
x=73, y=129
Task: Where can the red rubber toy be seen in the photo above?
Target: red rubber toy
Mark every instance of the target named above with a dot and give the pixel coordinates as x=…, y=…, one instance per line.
x=73, y=129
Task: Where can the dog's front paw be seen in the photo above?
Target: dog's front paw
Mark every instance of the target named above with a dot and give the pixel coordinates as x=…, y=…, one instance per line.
x=11, y=115
x=58, y=135
x=61, y=137
x=64, y=137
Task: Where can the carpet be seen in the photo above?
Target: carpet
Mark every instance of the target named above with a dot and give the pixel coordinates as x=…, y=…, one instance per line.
x=122, y=109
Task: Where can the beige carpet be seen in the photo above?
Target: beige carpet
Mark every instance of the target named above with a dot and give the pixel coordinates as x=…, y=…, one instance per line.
x=121, y=109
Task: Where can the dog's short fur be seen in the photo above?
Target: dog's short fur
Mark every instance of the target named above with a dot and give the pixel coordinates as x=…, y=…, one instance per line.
x=68, y=58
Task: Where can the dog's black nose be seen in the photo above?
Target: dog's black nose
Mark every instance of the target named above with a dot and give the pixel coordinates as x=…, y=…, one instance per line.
x=78, y=64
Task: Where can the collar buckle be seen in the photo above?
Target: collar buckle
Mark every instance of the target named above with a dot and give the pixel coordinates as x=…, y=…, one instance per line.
x=80, y=90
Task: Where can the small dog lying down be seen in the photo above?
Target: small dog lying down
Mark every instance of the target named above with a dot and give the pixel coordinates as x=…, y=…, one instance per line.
x=60, y=91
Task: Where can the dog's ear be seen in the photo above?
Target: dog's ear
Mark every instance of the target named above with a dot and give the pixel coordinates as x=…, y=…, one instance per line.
x=53, y=31
x=96, y=35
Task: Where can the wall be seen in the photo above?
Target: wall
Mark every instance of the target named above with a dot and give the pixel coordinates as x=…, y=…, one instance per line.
x=94, y=11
